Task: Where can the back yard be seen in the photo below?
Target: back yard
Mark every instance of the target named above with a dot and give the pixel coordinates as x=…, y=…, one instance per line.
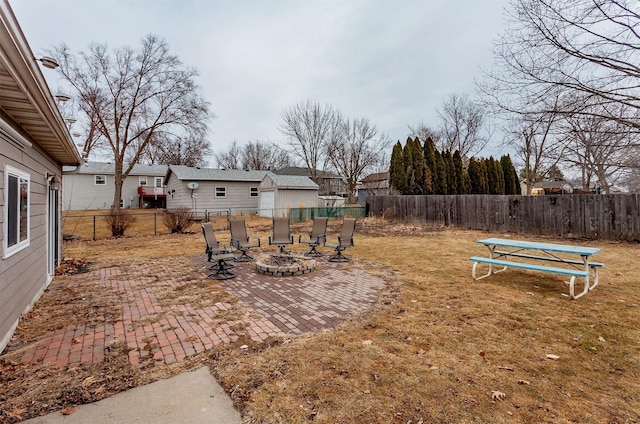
x=436, y=346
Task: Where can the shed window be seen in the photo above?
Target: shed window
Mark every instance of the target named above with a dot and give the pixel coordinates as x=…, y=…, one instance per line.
x=253, y=192
x=142, y=181
x=221, y=192
x=100, y=179
x=16, y=212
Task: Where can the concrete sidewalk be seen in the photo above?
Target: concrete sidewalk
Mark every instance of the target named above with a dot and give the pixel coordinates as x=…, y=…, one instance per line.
x=191, y=397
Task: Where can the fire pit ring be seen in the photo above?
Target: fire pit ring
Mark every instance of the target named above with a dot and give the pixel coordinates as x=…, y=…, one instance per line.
x=278, y=264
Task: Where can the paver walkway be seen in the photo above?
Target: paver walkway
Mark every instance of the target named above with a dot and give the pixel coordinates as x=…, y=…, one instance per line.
x=268, y=306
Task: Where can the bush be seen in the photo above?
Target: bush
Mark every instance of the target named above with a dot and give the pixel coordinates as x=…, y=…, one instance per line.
x=119, y=221
x=178, y=220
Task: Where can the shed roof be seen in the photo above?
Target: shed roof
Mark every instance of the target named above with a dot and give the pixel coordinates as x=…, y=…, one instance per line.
x=209, y=174
x=292, y=181
x=109, y=168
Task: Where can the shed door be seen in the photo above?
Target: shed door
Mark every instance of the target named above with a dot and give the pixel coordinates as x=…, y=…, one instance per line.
x=267, y=203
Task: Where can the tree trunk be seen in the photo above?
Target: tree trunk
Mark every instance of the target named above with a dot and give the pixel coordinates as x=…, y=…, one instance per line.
x=118, y=181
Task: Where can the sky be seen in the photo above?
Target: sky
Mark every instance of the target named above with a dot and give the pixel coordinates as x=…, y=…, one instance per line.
x=390, y=61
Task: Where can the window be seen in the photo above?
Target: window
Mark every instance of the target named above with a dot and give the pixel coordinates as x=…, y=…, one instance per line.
x=221, y=192
x=253, y=191
x=100, y=180
x=158, y=181
x=16, y=212
x=142, y=181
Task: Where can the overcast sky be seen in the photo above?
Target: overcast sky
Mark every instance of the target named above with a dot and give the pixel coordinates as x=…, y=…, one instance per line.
x=391, y=61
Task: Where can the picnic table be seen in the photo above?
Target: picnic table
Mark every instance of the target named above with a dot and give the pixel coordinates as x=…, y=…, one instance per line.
x=573, y=261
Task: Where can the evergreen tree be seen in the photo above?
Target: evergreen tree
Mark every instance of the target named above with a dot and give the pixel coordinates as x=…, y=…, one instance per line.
x=493, y=181
x=452, y=182
x=397, y=174
x=511, y=185
x=518, y=189
x=418, y=166
x=474, y=176
x=440, y=178
x=408, y=166
x=461, y=181
x=500, y=177
x=430, y=165
x=484, y=177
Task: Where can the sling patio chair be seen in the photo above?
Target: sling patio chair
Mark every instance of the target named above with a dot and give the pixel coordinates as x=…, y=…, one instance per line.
x=217, y=252
x=317, y=236
x=240, y=240
x=345, y=239
x=281, y=234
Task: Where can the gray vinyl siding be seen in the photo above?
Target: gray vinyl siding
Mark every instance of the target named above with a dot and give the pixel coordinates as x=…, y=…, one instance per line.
x=81, y=193
x=23, y=275
x=237, y=195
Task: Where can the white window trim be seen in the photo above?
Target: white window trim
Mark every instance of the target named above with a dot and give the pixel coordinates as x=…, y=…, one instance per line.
x=20, y=245
x=224, y=192
x=253, y=191
x=95, y=179
x=142, y=179
x=155, y=181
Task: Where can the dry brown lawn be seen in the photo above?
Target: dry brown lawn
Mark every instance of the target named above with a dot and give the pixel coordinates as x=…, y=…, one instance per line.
x=442, y=348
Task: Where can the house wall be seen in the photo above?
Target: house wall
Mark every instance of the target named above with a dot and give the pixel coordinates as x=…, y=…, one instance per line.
x=237, y=195
x=80, y=192
x=23, y=275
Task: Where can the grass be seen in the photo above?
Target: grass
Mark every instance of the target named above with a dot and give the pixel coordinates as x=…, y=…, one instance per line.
x=439, y=347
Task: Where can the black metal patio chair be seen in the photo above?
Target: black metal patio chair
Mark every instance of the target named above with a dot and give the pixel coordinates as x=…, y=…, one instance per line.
x=317, y=236
x=345, y=239
x=240, y=240
x=281, y=233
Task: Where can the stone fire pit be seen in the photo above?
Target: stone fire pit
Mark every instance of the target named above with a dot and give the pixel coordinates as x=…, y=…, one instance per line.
x=279, y=264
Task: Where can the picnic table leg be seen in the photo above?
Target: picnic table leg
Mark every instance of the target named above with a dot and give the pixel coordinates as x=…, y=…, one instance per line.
x=491, y=271
x=587, y=287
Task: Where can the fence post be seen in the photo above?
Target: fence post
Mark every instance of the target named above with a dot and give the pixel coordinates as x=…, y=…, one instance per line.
x=155, y=233
x=94, y=227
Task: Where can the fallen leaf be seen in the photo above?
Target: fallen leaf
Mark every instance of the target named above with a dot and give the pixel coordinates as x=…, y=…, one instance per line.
x=75, y=340
x=366, y=342
x=497, y=395
x=505, y=368
x=592, y=326
x=530, y=293
x=16, y=412
x=552, y=356
x=434, y=368
x=600, y=338
x=481, y=353
x=68, y=410
x=88, y=381
x=99, y=390
x=525, y=382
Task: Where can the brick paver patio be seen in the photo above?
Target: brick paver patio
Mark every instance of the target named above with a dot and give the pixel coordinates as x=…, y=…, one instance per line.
x=268, y=306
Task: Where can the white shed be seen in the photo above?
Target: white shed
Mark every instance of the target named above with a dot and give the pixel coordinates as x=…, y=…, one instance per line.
x=279, y=193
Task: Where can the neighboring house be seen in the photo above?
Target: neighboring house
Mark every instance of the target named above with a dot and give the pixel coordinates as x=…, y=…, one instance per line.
x=330, y=184
x=34, y=145
x=279, y=193
x=213, y=189
x=552, y=187
x=373, y=185
x=92, y=186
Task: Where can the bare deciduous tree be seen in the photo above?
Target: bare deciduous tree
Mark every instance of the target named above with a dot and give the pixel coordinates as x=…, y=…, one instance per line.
x=423, y=132
x=258, y=155
x=132, y=95
x=463, y=125
x=576, y=48
x=229, y=159
x=310, y=128
x=360, y=148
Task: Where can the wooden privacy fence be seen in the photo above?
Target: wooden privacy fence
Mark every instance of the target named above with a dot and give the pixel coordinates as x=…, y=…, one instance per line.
x=593, y=216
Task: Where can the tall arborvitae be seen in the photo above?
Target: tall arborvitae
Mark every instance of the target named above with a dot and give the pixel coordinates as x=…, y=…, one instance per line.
x=500, y=177
x=516, y=177
x=511, y=185
x=474, y=176
x=462, y=177
x=418, y=166
x=484, y=176
x=440, y=177
x=430, y=165
x=397, y=174
x=408, y=166
x=452, y=181
x=492, y=175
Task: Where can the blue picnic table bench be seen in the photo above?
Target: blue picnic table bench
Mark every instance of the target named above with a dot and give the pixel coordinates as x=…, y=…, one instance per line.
x=573, y=261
